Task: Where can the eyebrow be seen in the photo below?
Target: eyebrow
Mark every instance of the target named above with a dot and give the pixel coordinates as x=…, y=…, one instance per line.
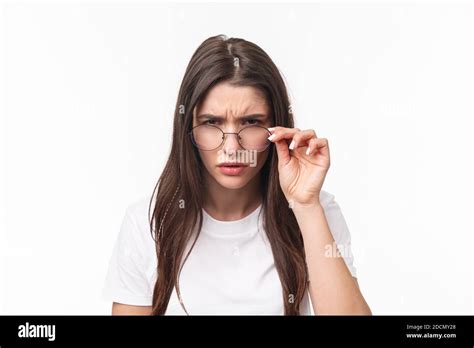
x=245, y=117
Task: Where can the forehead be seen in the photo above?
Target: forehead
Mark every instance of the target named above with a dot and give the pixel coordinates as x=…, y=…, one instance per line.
x=226, y=99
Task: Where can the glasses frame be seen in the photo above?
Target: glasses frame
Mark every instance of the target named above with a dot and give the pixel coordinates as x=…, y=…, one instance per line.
x=190, y=133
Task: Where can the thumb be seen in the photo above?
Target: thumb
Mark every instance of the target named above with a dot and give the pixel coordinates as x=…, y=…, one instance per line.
x=283, y=152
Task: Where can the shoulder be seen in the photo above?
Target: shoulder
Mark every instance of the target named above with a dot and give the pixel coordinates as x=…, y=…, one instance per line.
x=132, y=267
x=138, y=211
x=326, y=198
x=136, y=226
x=330, y=204
x=333, y=212
x=339, y=228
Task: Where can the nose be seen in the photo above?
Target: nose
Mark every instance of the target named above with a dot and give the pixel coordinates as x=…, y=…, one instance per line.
x=231, y=142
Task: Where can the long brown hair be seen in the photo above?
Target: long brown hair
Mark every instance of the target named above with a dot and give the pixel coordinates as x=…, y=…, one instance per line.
x=176, y=206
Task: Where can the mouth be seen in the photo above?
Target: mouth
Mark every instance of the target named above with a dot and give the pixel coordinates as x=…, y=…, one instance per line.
x=232, y=168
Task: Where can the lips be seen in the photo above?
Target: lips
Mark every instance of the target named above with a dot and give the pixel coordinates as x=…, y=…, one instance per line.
x=232, y=168
x=233, y=164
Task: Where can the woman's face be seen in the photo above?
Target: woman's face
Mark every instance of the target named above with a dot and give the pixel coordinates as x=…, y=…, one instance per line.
x=232, y=108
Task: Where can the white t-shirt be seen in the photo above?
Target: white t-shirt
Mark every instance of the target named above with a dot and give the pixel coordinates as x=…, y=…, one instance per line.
x=230, y=270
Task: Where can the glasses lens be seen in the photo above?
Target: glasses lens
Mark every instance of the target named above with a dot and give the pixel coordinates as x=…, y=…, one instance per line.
x=207, y=137
x=254, y=138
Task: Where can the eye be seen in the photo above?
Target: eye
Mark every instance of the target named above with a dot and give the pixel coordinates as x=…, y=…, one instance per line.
x=211, y=122
x=251, y=121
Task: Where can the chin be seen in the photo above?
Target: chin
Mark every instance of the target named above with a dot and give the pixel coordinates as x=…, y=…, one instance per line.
x=232, y=182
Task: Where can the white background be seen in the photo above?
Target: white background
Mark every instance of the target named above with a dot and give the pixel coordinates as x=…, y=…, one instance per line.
x=87, y=97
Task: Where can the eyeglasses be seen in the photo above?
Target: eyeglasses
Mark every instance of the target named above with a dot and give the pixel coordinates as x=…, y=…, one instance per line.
x=208, y=137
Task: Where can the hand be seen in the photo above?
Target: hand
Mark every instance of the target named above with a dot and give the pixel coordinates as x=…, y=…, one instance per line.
x=302, y=166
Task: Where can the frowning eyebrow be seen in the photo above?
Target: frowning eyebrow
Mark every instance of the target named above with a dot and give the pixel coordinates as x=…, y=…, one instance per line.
x=245, y=117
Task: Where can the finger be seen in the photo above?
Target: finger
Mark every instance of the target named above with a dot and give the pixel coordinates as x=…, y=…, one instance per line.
x=279, y=133
x=279, y=138
x=278, y=128
x=302, y=138
x=320, y=145
x=283, y=153
x=312, y=147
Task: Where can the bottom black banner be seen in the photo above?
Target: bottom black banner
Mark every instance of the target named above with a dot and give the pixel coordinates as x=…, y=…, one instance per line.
x=42, y=331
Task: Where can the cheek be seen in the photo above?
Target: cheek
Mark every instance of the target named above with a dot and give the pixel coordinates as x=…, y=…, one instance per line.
x=208, y=158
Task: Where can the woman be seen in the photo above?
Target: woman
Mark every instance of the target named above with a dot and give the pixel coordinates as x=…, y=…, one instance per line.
x=238, y=223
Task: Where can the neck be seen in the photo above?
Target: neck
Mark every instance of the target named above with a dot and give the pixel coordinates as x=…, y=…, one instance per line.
x=231, y=204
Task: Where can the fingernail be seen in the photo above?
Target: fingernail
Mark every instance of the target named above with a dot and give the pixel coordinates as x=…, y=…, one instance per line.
x=271, y=129
x=308, y=150
x=292, y=145
x=271, y=137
